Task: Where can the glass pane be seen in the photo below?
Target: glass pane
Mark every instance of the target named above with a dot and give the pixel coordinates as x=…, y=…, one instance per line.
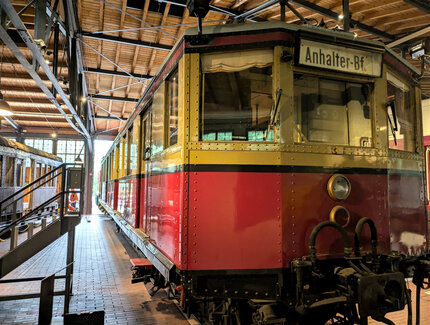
x=61, y=146
x=8, y=182
x=19, y=170
x=401, y=115
x=332, y=112
x=236, y=103
x=172, y=85
x=28, y=142
x=158, y=121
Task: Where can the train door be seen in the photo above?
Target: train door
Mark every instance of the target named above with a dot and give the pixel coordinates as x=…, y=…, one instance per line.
x=146, y=171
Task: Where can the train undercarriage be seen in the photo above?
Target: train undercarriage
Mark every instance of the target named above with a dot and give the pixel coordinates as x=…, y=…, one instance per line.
x=348, y=290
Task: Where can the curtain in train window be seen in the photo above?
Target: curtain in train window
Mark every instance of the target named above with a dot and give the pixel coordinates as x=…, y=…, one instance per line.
x=401, y=115
x=172, y=93
x=332, y=112
x=237, y=95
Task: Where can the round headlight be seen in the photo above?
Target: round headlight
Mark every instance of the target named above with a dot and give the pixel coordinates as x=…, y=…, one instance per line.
x=338, y=187
x=340, y=215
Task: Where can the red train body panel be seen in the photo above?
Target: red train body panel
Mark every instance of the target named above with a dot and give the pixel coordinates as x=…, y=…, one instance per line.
x=213, y=219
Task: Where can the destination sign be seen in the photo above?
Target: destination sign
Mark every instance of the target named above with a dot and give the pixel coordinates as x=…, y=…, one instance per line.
x=340, y=58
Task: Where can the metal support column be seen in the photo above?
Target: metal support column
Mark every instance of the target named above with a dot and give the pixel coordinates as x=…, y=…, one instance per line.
x=55, y=60
x=69, y=269
x=282, y=5
x=346, y=15
x=88, y=179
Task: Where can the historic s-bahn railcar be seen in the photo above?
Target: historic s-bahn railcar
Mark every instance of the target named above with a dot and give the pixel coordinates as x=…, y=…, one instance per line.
x=21, y=165
x=255, y=158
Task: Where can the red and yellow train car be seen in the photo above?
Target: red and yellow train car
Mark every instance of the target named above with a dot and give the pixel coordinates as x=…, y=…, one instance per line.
x=249, y=141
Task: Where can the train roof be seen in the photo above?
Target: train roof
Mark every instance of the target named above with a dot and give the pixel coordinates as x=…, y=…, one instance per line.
x=249, y=28
x=253, y=28
x=19, y=146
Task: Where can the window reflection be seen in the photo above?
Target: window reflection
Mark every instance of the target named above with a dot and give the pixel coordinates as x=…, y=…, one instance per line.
x=237, y=105
x=331, y=112
x=401, y=117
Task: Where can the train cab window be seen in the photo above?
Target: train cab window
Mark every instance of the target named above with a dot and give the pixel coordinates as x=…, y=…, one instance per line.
x=401, y=115
x=172, y=93
x=237, y=95
x=8, y=181
x=332, y=112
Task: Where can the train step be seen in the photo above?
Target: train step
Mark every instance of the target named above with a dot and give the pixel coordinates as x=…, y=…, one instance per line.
x=141, y=268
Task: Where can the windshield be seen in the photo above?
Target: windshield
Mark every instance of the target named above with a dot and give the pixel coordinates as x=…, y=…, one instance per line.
x=332, y=112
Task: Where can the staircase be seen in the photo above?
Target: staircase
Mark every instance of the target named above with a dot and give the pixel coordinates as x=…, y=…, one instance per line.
x=65, y=215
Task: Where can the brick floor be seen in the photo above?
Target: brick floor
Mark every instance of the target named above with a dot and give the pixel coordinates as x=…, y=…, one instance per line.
x=101, y=281
x=401, y=317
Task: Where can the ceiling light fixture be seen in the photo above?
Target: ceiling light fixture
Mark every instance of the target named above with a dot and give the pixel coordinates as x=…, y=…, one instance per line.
x=53, y=134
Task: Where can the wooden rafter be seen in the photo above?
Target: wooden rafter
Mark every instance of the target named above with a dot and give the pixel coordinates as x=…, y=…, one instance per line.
x=136, y=51
x=117, y=54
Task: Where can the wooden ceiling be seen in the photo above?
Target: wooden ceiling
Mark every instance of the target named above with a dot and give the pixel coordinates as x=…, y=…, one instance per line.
x=122, y=44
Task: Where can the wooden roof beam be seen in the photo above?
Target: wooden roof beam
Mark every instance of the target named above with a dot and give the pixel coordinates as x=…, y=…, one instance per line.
x=420, y=4
x=137, y=48
x=118, y=51
x=113, y=98
x=333, y=15
x=126, y=41
x=118, y=73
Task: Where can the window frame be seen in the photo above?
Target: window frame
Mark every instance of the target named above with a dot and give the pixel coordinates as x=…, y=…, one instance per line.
x=275, y=128
x=413, y=105
x=339, y=77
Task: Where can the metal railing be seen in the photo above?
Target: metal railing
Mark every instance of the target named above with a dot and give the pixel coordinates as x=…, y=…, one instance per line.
x=67, y=179
x=58, y=178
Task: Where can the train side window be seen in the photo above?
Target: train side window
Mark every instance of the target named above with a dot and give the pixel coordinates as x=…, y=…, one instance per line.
x=28, y=171
x=158, y=117
x=19, y=172
x=172, y=106
x=9, y=179
x=237, y=96
x=48, y=169
x=401, y=115
x=332, y=112
x=128, y=141
x=134, y=146
x=38, y=171
x=1, y=171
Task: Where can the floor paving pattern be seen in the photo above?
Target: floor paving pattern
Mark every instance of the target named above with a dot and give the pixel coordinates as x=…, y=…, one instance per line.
x=101, y=280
